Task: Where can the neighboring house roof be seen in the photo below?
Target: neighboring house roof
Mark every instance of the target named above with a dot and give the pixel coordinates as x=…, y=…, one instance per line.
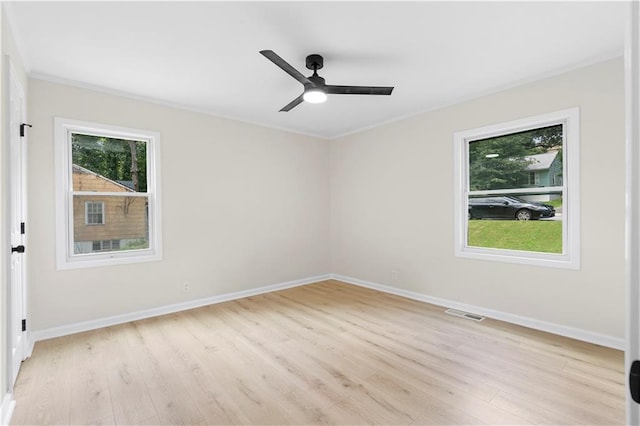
x=127, y=183
x=541, y=161
x=80, y=169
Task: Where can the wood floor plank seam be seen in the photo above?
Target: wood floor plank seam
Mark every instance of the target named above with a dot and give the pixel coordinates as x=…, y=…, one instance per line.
x=323, y=353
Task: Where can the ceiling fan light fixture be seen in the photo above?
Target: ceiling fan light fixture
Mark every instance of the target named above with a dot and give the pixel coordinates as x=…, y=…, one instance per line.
x=315, y=87
x=314, y=95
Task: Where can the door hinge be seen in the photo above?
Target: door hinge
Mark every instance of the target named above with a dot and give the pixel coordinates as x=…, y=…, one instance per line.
x=24, y=325
x=17, y=249
x=22, y=228
x=22, y=126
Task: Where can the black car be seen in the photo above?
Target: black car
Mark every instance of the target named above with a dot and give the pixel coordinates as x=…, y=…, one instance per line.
x=508, y=207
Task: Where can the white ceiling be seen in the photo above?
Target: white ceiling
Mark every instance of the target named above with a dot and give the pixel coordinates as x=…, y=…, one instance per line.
x=204, y=55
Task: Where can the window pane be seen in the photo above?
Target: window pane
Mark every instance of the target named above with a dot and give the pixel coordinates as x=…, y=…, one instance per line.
x=523, y=222
x=531, y=159
x=125, y=224
x=107, y=164
x=516, y=221
x=94, y=212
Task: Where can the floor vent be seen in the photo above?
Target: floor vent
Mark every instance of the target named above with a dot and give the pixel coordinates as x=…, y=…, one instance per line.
x=463, y=314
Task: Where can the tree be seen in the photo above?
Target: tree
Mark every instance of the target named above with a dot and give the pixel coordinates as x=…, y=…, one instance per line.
x=501, y=162
x=116, y=159
x=547, y=138
x=134, y=165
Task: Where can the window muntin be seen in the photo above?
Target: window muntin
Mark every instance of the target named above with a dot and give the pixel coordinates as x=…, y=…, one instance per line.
x=535, y=159
x=106, y=245
x=94, y=213
x=106, y=176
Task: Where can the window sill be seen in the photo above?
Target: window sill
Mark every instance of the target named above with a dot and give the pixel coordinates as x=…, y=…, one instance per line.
x=519, y=257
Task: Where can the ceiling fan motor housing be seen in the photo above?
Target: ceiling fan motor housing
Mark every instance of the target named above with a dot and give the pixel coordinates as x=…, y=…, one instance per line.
x=315, y=62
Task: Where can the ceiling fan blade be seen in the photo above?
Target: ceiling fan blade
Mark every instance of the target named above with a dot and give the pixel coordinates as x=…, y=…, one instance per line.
x=358, y=90
x=294, y=103
x=285, y=66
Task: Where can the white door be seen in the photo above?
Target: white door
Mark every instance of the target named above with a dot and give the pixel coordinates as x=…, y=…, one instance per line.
x=632, y=75
x=16, y=293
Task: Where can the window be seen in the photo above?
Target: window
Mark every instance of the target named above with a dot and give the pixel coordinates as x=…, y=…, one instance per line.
x=517, y=191
x=107, y=195
x=94, y=213
x=106, y=245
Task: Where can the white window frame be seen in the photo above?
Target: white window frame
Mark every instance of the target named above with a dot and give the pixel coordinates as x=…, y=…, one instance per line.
x=86, y=212
x=65, y=257
x=570, y=256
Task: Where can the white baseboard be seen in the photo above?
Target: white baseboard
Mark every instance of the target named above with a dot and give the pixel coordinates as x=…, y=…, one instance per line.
x=64, y=330
x=6, y=410
x=574, y=333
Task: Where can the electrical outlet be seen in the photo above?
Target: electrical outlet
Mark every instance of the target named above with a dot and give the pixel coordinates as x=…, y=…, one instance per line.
x=185, y=287
x=394, y=275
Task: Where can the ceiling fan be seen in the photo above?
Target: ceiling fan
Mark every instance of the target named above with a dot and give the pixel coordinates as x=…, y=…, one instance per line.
x=315, y=89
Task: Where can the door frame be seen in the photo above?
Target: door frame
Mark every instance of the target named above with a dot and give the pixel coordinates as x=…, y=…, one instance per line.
x=632, y=124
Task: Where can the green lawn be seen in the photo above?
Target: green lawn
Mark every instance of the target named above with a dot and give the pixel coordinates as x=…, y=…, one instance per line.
x=555, y=203
x=530, y=235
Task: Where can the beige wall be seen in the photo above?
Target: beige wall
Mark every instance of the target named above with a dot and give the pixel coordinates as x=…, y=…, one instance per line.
x=246, y=206
x=243, y=207
x=391, y=206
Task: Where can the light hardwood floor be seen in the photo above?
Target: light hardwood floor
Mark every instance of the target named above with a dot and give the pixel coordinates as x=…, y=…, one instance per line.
x=323, y=353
